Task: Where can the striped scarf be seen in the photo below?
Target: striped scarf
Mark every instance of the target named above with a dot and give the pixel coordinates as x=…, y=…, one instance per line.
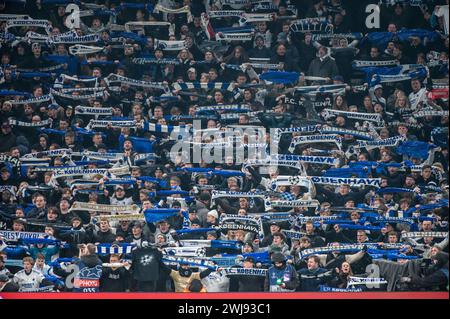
x=203, y=85
x=313, y=25
x=329, y=249
x=110, y=249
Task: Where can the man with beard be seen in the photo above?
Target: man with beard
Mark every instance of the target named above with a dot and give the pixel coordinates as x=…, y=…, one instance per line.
x=281, y=277
x=312, y=277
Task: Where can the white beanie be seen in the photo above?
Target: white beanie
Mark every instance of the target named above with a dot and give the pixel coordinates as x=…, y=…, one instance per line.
x=214, y=213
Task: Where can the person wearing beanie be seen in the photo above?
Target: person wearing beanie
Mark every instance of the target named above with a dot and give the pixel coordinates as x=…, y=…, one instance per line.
x=247, y=283
x=212, y=219
x=281, y=276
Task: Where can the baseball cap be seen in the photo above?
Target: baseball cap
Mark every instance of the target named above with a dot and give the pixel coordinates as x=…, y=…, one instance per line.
x=274, y=223
x=250, y=259
x=278, y=257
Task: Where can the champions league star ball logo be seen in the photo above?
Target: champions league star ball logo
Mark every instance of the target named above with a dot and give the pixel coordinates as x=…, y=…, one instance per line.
x=146, y=260
x=201, y=252
x=294, y=180
x=162, y=46
x=91, y=272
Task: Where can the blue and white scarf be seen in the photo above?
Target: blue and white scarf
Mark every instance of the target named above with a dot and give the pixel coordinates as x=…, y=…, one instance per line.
x=145, y=60
x=16, y=235
x=28, y=124
x=133, y=82
x=50, y=153
x=293, y=234
x=76, y=97
x=388, y=142
x=364, y=281
x=110, y=249
x=36, y=100
x=292, y=203
x=196, y=251
x=257, y=272
x=28, y=23
x=309, y=139
x=203, y=85
x=104, y=208
x=111, y=123
x=313, y=25
x=86, y=110
x=306, y=159
x=353, y=182
x=433, y=234
x=74, y=39
x=372, y=117
x=193, y=262
x=170, y=45
x=341, y=131
x=324, y=36
x=363, y=64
